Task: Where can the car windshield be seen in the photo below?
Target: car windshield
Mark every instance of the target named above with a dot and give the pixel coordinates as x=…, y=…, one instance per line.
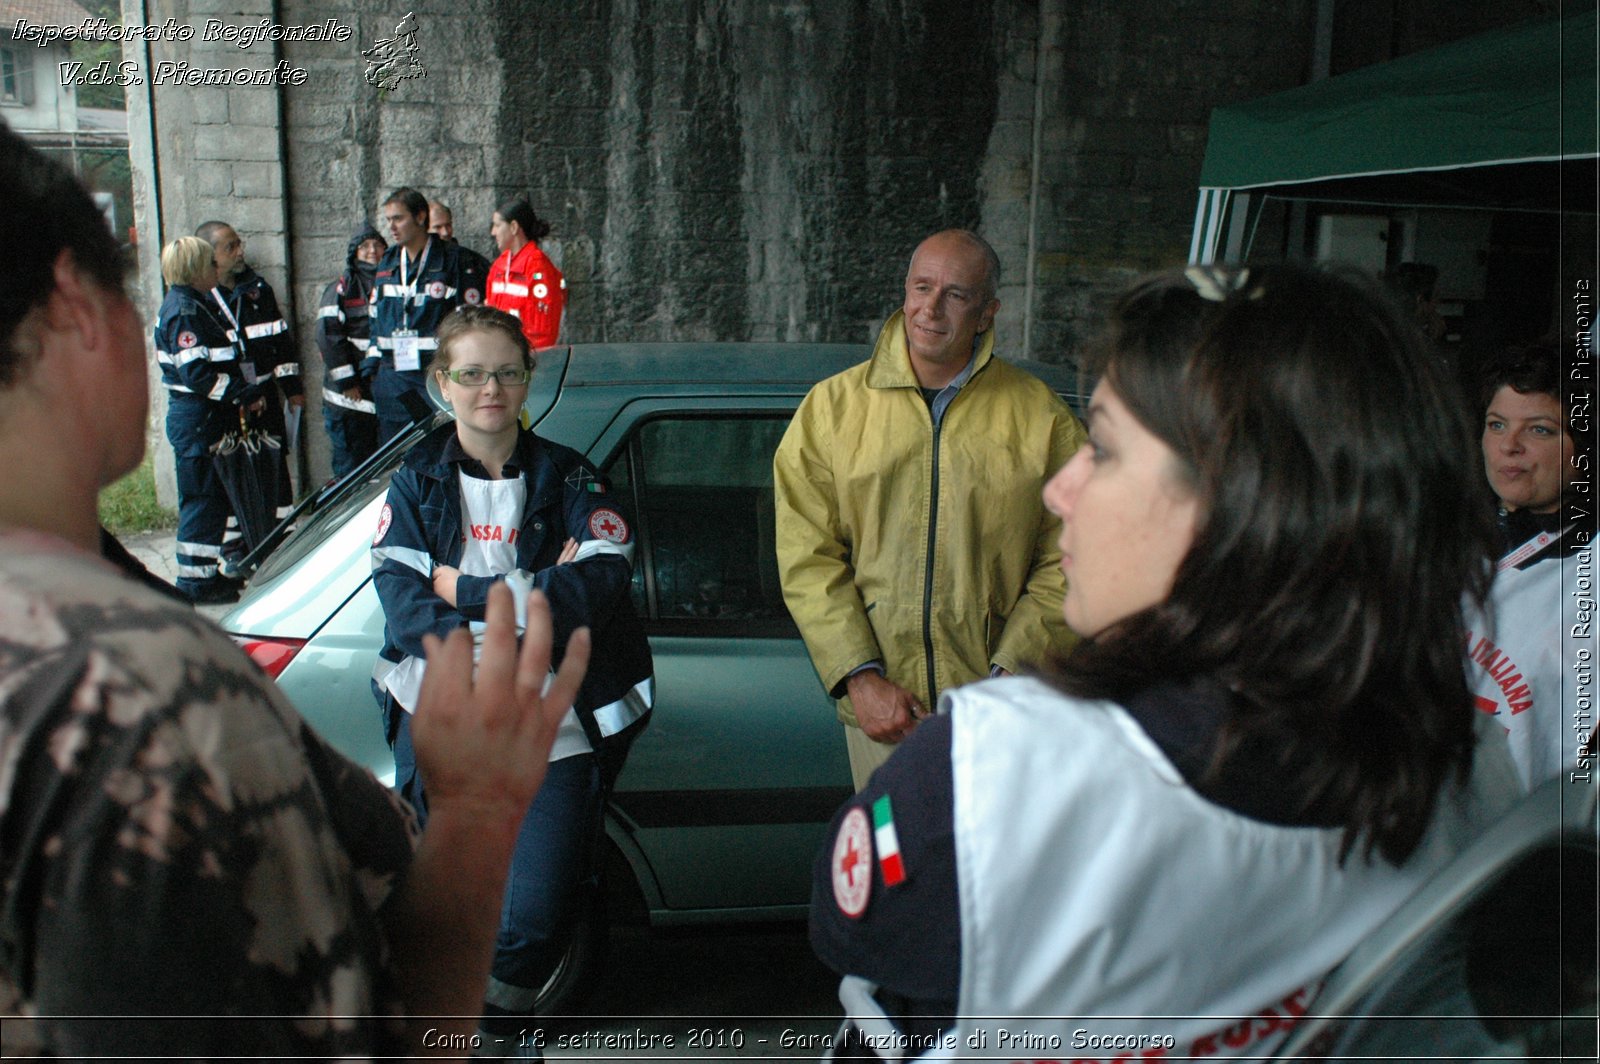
x=347, y=500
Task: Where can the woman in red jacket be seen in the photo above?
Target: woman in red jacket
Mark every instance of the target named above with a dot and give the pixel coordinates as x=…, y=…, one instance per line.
x=523, y=282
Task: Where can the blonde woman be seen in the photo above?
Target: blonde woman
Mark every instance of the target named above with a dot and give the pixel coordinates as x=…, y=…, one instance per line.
x=206, y=385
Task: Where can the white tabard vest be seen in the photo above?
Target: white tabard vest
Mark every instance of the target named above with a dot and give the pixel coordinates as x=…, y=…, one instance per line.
x=1534, y=655
x=1107, y=908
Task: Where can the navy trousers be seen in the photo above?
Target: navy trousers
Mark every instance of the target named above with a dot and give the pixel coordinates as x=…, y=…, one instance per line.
x=203, y=510
x=352, y=436
x=203, y=514
x=386, y=391
x=549, y=867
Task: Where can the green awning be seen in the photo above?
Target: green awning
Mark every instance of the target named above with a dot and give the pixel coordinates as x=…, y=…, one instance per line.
x=1523, y=94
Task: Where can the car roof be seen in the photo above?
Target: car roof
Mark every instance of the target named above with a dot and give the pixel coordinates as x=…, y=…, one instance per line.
x=708, y=363
x=755, y=363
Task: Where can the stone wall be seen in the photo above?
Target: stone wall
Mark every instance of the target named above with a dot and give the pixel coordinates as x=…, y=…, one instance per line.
x=738, y=170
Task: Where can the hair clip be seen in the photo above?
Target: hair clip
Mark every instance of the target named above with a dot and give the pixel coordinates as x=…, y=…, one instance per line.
x=1217, y=284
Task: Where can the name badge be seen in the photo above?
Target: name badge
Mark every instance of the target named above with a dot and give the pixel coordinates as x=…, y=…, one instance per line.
x=407, y=353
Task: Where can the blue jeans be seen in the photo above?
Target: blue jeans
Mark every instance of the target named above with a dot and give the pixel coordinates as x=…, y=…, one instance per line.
x=552, y=863
x=397, y=729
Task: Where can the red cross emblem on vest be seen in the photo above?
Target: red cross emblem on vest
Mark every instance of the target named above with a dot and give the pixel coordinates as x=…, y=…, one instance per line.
x=609, y=526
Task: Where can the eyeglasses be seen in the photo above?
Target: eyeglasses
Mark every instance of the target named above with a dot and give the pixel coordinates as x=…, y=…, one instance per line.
x=474, y=377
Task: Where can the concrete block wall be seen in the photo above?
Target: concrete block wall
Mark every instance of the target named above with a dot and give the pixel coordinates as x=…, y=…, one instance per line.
x=219, y=149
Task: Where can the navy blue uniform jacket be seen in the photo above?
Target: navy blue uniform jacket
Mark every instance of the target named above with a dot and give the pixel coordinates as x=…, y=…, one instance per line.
x=448, y=280
x=199, y=359
x=263, y=331
x=422, y=525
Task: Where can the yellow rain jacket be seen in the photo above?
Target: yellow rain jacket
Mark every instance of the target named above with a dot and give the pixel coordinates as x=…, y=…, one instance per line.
x=930, y=552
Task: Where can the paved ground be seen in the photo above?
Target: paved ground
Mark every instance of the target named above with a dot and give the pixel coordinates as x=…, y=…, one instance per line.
x=702, y=994
x=158, y=552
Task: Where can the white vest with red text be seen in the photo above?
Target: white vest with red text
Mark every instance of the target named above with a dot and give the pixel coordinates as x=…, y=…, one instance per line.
x=1094, y=883
x=1531, y=659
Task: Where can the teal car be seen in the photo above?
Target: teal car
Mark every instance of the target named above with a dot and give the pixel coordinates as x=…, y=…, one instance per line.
x=726, y=796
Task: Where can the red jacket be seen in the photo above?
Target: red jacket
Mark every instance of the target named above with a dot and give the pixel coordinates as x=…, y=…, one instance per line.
x=528, y=286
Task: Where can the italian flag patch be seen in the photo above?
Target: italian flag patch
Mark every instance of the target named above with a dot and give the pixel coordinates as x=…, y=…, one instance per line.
x=888, y=843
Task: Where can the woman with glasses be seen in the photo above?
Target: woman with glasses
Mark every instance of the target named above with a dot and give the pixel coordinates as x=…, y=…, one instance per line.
x=483, y=500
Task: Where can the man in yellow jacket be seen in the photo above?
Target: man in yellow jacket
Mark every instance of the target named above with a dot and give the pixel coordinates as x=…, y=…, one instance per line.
x=915, y=552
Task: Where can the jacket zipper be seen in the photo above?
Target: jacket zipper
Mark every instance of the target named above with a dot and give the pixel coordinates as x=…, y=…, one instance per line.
x=927, y=576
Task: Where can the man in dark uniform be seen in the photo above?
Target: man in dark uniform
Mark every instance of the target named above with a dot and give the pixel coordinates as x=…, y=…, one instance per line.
x=441, y=224
x=343, y=331
x=419, y=281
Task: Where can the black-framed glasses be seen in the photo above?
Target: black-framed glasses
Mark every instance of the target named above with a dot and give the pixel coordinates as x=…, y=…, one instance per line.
x=476, y=377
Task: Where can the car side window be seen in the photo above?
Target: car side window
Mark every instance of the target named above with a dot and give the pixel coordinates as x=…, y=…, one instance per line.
x=702, y=492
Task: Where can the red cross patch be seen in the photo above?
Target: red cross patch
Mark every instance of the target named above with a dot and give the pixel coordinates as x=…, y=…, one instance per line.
x=473, y=297
x=436, y=290
x=385, y=519
x=609, y=526
x=540, y=291
x=187, y=339
x=852, y=864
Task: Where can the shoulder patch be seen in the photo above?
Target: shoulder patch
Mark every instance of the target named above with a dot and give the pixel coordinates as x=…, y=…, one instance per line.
x=608, y=525
x=436, y=290
x=852, y=864
x=187, y=339
x=385, y=519
x=472, y=296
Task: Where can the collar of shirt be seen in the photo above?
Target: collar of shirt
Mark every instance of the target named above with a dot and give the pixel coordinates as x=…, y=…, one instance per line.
x=1518, y=525
x=470, y=466
x=940, y=401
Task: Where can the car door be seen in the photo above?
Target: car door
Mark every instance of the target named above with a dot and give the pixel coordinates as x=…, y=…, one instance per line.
x=727, y=794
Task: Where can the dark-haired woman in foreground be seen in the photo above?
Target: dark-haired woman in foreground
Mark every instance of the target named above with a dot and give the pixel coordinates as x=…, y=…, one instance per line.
x=1265, y=741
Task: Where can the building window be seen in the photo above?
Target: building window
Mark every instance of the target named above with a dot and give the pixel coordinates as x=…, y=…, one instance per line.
x=16, y=77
